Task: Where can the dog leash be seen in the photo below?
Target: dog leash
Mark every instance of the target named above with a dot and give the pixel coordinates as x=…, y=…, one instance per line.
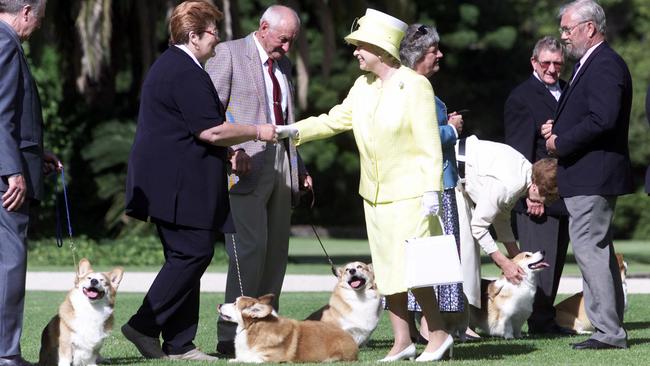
x=234, y=249
x=309, y=218
x=59, y=230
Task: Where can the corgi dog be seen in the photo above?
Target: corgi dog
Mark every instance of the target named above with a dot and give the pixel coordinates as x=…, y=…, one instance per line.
x=506, y=306
x=571, y=314
x=75, y=335
x=263, y=336
x=355, y=305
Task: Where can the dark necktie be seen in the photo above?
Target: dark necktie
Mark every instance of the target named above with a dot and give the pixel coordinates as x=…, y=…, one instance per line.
x=575, y=70
x=277, y=97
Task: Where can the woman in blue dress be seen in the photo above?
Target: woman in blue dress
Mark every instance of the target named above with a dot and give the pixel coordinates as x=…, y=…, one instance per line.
x=419, y=50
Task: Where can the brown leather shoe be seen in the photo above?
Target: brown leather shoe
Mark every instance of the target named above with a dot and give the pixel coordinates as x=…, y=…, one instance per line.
x=148, y=346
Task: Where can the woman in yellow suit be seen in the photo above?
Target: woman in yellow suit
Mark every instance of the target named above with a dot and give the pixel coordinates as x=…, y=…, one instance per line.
x=392, y=113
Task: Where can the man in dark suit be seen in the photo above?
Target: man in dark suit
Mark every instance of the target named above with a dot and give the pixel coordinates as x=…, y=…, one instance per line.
x=530, y=105
x=21, y=166
x=590, y=138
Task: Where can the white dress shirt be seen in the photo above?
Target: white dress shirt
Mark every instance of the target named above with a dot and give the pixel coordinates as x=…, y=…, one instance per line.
x=264, y=57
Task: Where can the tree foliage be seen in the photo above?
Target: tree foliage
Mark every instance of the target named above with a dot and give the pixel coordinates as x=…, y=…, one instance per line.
x=91, y=57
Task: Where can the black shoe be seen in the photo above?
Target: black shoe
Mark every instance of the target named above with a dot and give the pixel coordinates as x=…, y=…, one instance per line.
x=553, y=329
x=594, y=344
x=226, y=348
x=14, y=361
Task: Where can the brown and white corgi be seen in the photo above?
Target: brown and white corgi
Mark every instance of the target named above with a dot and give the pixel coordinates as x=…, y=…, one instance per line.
x=75, y=335
x=355, y=304
x=506, y=306
x=571, y=314
x=263, y=336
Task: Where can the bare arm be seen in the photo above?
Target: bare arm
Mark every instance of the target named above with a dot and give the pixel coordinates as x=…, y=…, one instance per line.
x=227, y=134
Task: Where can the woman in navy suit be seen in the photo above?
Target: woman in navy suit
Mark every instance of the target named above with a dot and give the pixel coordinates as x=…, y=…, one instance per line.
x=177, y=180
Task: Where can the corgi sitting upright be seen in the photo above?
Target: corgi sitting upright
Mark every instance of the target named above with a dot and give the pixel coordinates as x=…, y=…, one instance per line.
x=263, y=336
x=75, y=335
x=506, y=306
x=355, y=304
x=571, y=313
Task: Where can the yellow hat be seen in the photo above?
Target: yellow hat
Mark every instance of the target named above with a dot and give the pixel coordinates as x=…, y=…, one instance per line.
x=379, y=29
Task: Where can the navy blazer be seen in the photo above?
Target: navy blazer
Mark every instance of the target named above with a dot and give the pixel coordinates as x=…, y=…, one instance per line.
x=172, y=175
x=21, y=121
x=591, y=125
x=528, y=106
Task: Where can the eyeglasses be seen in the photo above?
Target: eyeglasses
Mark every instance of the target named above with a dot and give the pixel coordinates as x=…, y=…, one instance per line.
x=570, y=29
x=546, y=64
x=214, y=34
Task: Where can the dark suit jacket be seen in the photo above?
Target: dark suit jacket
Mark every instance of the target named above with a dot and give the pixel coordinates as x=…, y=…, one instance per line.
x=647, y=113
x=21, y=121
x=591, y=123
x=172, y=176
x=528, y=106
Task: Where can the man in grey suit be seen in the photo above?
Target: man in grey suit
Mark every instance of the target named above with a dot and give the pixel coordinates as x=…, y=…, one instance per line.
x=252, y=76
x=21, y=166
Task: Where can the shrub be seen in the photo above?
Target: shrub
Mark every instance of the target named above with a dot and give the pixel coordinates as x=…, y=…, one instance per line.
x=128, y=251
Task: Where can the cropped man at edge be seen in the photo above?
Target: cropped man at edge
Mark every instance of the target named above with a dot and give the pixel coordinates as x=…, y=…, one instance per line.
x=529, y=105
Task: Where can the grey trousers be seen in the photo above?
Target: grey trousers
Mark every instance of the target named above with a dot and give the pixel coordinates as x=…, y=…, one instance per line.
x=13, y=270
x=262, y=220
x=590, y=220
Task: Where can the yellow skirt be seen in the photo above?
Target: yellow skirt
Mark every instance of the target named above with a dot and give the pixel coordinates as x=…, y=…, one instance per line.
x=388, y=226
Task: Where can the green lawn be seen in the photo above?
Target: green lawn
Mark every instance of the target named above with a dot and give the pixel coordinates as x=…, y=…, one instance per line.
x=40, y=306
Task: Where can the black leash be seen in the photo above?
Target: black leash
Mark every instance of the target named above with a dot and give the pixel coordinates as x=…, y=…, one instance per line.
x=311, y=207
x=59, y=225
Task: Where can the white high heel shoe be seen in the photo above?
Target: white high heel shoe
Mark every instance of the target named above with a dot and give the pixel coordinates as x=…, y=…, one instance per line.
x=408, y=352
x=447, y=345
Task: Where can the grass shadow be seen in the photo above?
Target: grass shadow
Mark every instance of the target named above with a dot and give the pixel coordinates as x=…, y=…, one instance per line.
x=637, y=341
x=491, y=351
x=123, y=360
x=379, y=343
x=636, y=325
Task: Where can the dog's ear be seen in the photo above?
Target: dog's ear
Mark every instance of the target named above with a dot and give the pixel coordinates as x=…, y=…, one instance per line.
x=84, y=267
x=370, y=267
x=266, y=299
x=340, y=271
x=257, y=310
x=115, y=276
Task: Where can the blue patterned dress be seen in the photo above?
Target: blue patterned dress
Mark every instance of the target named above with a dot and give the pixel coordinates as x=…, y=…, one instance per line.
x=450, y=297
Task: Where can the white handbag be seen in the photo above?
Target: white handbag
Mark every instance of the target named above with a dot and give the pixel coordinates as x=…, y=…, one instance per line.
x=432, y=261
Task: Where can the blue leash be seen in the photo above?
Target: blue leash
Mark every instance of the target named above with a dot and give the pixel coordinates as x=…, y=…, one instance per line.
x=59, y=230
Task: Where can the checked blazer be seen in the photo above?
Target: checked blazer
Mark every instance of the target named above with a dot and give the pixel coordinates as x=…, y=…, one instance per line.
x=237, y=74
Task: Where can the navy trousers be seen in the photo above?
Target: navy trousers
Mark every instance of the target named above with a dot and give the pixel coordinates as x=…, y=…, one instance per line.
x=171, y=306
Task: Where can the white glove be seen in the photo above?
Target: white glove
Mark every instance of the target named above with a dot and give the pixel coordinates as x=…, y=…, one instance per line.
x=286, y=131
x=430, y=203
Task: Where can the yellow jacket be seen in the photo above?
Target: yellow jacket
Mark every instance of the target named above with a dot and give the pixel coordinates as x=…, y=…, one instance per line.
x=396, y=131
